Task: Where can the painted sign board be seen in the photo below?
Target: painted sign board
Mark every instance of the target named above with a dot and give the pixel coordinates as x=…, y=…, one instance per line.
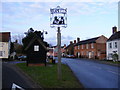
x=58, y=17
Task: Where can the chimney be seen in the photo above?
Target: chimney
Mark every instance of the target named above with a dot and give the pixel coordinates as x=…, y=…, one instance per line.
x=78, y=39
x=114, y=29
x=74, y=41
x=64, y=45
x=71, y=42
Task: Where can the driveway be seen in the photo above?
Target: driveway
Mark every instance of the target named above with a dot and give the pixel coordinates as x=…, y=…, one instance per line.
x=93, y=74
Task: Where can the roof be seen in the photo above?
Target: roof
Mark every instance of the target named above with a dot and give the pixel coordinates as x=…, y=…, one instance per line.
x=4, y=36
x=39, y=41
x=114, y=36
x=70, y=45
x=92, y=40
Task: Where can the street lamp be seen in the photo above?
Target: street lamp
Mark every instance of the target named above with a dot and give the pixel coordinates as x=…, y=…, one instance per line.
x=58, y=18
x=43, y=33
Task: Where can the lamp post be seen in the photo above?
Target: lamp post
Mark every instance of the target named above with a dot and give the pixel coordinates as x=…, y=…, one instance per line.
x=58, y=19
x=43, y=33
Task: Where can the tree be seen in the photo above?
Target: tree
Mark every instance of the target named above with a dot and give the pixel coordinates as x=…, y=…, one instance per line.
x=11, y=47
x=115, y=56
x=18, y=37
x=30, y=34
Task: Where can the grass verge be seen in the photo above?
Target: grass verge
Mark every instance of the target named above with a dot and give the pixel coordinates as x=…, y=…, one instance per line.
x=46, y=77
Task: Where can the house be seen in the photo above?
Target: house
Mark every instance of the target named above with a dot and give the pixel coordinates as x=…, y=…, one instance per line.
x=113, y=44
x=69, y=50
x=94, y=48
x=36, y=51
x=5, y=40
x=53, y=51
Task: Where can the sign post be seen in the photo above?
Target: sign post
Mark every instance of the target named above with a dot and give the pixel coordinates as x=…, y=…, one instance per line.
x=58, y=19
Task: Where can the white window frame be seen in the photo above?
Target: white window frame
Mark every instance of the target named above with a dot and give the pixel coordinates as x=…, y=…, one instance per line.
x=110, y=45
x=115, y=45
x=87, y=46
x=36, y=47
x=92, y=45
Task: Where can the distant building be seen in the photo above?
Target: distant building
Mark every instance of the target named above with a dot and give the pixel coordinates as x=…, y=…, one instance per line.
x=113, y=44
x=94, y=48
x=53, y=51
x=69, y=50
x=5, y=40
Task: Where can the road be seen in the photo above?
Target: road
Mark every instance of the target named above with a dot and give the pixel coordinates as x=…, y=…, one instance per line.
x=13, y=78
x=93, y=74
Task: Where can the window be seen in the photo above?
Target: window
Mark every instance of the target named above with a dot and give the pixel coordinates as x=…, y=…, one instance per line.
x=86, y=46
x=98, y=54
x=109, y=55
x=78, y=54
x=82, y=53
x=82, y=47
x=92, y=45
x=87, y=53
x=92, y=53
x=36, y=48
x=1, y=44
x=1, y=53
x=78, y=46
x=115, y=45
x=110, y=45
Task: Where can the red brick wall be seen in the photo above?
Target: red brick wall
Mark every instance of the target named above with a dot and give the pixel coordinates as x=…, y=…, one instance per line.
x=98, y=48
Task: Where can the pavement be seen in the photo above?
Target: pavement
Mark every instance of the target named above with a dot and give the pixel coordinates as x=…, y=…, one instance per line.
x=93, y=74
x=13, y=77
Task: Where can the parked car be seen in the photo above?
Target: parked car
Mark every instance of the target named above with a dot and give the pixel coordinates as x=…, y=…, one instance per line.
x=22, y=58
x=70, y=56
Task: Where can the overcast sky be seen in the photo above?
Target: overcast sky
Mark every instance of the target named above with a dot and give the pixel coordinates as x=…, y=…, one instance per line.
x=85, y=19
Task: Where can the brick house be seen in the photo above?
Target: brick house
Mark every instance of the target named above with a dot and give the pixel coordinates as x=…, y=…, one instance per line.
x=69, y=50
x=94, y=48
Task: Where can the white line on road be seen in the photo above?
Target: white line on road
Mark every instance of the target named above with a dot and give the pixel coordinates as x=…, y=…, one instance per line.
x=114, y=72
x=97, y=67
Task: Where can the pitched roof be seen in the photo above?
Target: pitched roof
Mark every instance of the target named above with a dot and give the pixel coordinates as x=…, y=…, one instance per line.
x=114, y=36
x=70, y=45
x=4, y=36
x=32, y=41
x=92, y=40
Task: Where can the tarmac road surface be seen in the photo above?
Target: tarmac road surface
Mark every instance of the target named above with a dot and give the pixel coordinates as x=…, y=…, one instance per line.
x=93, y=74
x=12, y=77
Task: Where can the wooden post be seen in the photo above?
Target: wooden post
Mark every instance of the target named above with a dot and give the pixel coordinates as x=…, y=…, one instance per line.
x=59, y=54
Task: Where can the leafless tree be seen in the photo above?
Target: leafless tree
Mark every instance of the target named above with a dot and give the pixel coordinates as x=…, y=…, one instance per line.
x=18, y=38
